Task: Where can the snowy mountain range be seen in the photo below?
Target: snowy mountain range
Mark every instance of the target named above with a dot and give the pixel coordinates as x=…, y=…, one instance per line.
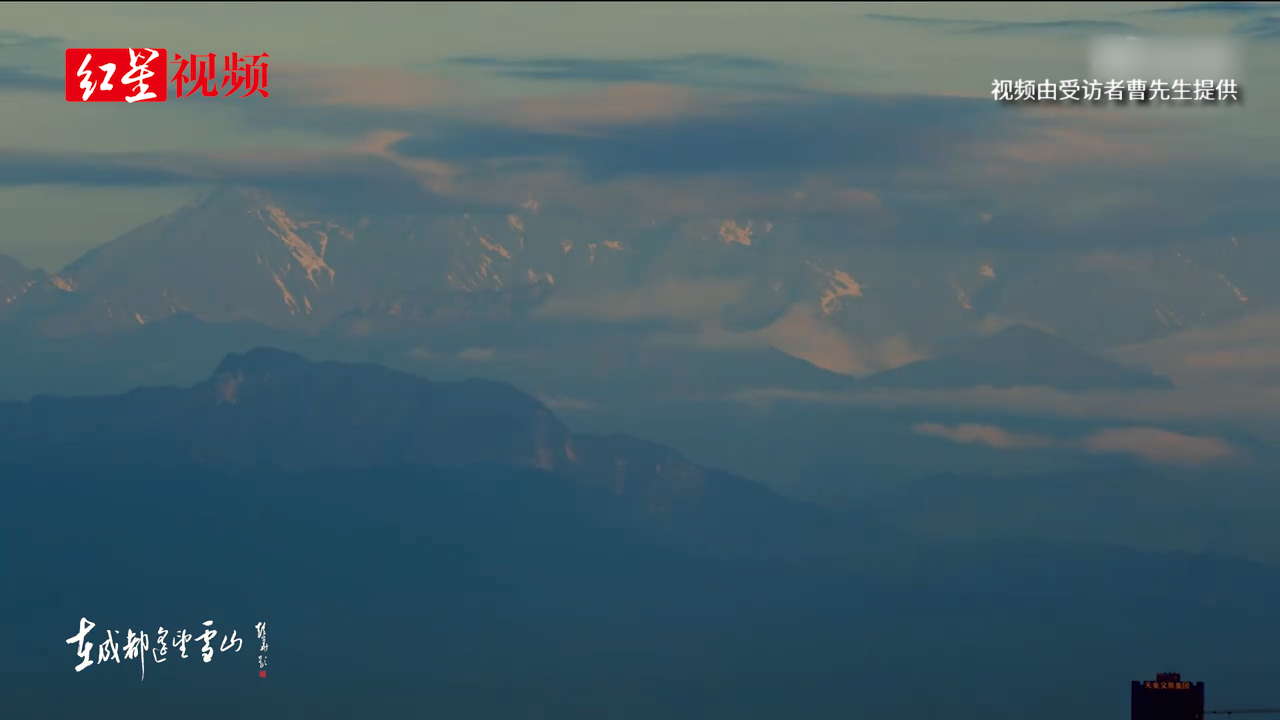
x=801, y=286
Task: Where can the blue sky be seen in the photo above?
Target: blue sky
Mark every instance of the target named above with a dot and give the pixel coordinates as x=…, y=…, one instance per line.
x=477, y=105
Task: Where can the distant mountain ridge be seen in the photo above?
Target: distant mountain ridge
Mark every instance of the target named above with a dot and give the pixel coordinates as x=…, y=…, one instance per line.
x=295, y=262
x=274, y=407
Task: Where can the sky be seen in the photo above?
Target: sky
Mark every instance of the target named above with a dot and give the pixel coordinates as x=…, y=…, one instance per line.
x=608, y=96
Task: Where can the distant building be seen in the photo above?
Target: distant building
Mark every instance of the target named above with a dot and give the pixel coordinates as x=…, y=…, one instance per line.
x=1168, y=697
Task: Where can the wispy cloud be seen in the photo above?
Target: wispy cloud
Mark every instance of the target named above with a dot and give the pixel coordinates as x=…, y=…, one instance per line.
x=1160, y=446
x=1244, y=350
x=377, y=88
x=782, y=135
x=1266, y=29
x=1217, y=8
x=613, y=105
x=29, y=63
x=1005, y=27
x=989, y=435
x=23, y=78
x=653, y=151
x=698, y=69
x=13, y=39
x=1217, y=402
x=1150, y=444
x=342, y=180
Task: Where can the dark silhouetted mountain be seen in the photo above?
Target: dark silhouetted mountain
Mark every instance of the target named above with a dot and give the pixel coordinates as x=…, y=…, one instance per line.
x=490, y=592
x=429, y=548
x=270, y=408
x=1017, y=356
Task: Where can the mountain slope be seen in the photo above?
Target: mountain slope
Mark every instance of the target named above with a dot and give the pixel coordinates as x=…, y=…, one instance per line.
x=24, y=289
x=1018, y=356
x=241, y=254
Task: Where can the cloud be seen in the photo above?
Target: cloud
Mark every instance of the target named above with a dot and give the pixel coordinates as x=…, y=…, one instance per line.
x=702, y=69
x=13, y=39
x=806, y=133
x=30, y=63
x=22, y=78
x=664, y=150
x=345, y=181
x=1067, y=176
x=1217, y=8
x=1214, y=402
x=1131, y=192
x=672, y=299
x=422, y=108
x=1150, y=444
x=990, y=435
x=647, y=151
x=32, y=168
x=1066, y=145
x=372, y=87
x=1244, y=350
x=1160, y=446
x=477, y=354
x=1005, y=27
x=616, y=104
x=1266, y=29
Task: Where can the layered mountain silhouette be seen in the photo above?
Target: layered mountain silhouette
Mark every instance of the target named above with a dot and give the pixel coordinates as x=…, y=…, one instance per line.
x=1019, y=355
x=274, y=409
x=426, y=548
